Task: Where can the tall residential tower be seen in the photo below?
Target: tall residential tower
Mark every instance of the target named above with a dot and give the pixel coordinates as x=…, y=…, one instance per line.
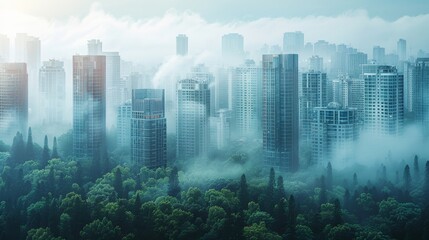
x=193, y=112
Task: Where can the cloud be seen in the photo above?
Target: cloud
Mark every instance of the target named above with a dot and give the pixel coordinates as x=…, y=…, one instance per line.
x=151, y=40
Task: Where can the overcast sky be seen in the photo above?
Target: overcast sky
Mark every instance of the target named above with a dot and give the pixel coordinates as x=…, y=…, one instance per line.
x=222, y=10
x=144, y=31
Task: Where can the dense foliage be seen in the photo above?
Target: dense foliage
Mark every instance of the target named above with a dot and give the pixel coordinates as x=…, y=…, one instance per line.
x=46, y=196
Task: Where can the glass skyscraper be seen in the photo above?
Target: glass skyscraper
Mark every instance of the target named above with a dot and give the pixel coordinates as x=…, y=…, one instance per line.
x=280, y=111
x=89, y=105
x=148, y=128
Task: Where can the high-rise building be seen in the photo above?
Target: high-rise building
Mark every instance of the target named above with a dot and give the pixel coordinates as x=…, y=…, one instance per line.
x=28, y=50
x=182, y=45
x=409, y=81
x=52, y=88
x=113, y=78
x=324, y=49
x=123, y=125
x=402, y=49
x=149, y=128
x=193, y=112
x=353, y=90
x=421, y=94
x=316, y=64
x=313, y=94
x=384, y=100
x=89, y=105
x=113, y=82
x=378, y=55
x=293, y=42
x=339, y=60
x=4, y=48
x=246, y=100
x=95, y=47
x=333, y=131
x=232, y=48
x=354, y=62
x=222, y=91
x=202, y=73
x=280, y=111
x=220, y=129
x=13, y=99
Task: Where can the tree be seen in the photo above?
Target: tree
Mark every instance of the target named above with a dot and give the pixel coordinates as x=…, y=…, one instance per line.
x=258, y=231
x=407, y=178
x=426, y=184
x=280, y=217
x=291, y=231
x=29, y=150
x=55, y=149
x=45, y=154
x=243, y=193
x=323, y=198
x=383, y=174
x=269, y=194
x=41, y=234
x=17, y=151
x=280, y=190
x=173, y=183
x=117, y=184
x=337, y=213
x=347, y=202
x=101, y=229
x=329, y=176
x=355, y=180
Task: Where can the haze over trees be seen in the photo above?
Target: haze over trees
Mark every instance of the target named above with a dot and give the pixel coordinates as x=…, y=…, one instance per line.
x=46, y=196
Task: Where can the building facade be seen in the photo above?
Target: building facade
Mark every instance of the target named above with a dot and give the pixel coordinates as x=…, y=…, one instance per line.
x=314, y=93
x=13, y=99
x=52, y=89
x=123, y=125
x=246, y=100
x=232, y=48
x=384, y=100
x=193, y=112
x=421, y=94
x=182, y=45
x=4, y=48
x=333, y=131
x=293, y=42
x=148, y=128
x=280, y=111
x=89, y=105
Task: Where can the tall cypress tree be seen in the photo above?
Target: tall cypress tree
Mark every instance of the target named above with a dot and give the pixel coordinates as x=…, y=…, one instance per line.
x=355, y=180
x=269, y=194
x=280, y=189
x=46, y=153
x=173, y=183
x=55, y=149
x=29, y=150
x=17, y=151
x=243, y=193
x=407, y=178
x=323, y=198
x=416, y=168
x=292, y=214
x=329, y=176
x=426, y=183
x=337, y=213
x=117, y=184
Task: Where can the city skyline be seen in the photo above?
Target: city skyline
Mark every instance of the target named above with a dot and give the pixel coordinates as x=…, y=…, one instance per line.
x=141, y=34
